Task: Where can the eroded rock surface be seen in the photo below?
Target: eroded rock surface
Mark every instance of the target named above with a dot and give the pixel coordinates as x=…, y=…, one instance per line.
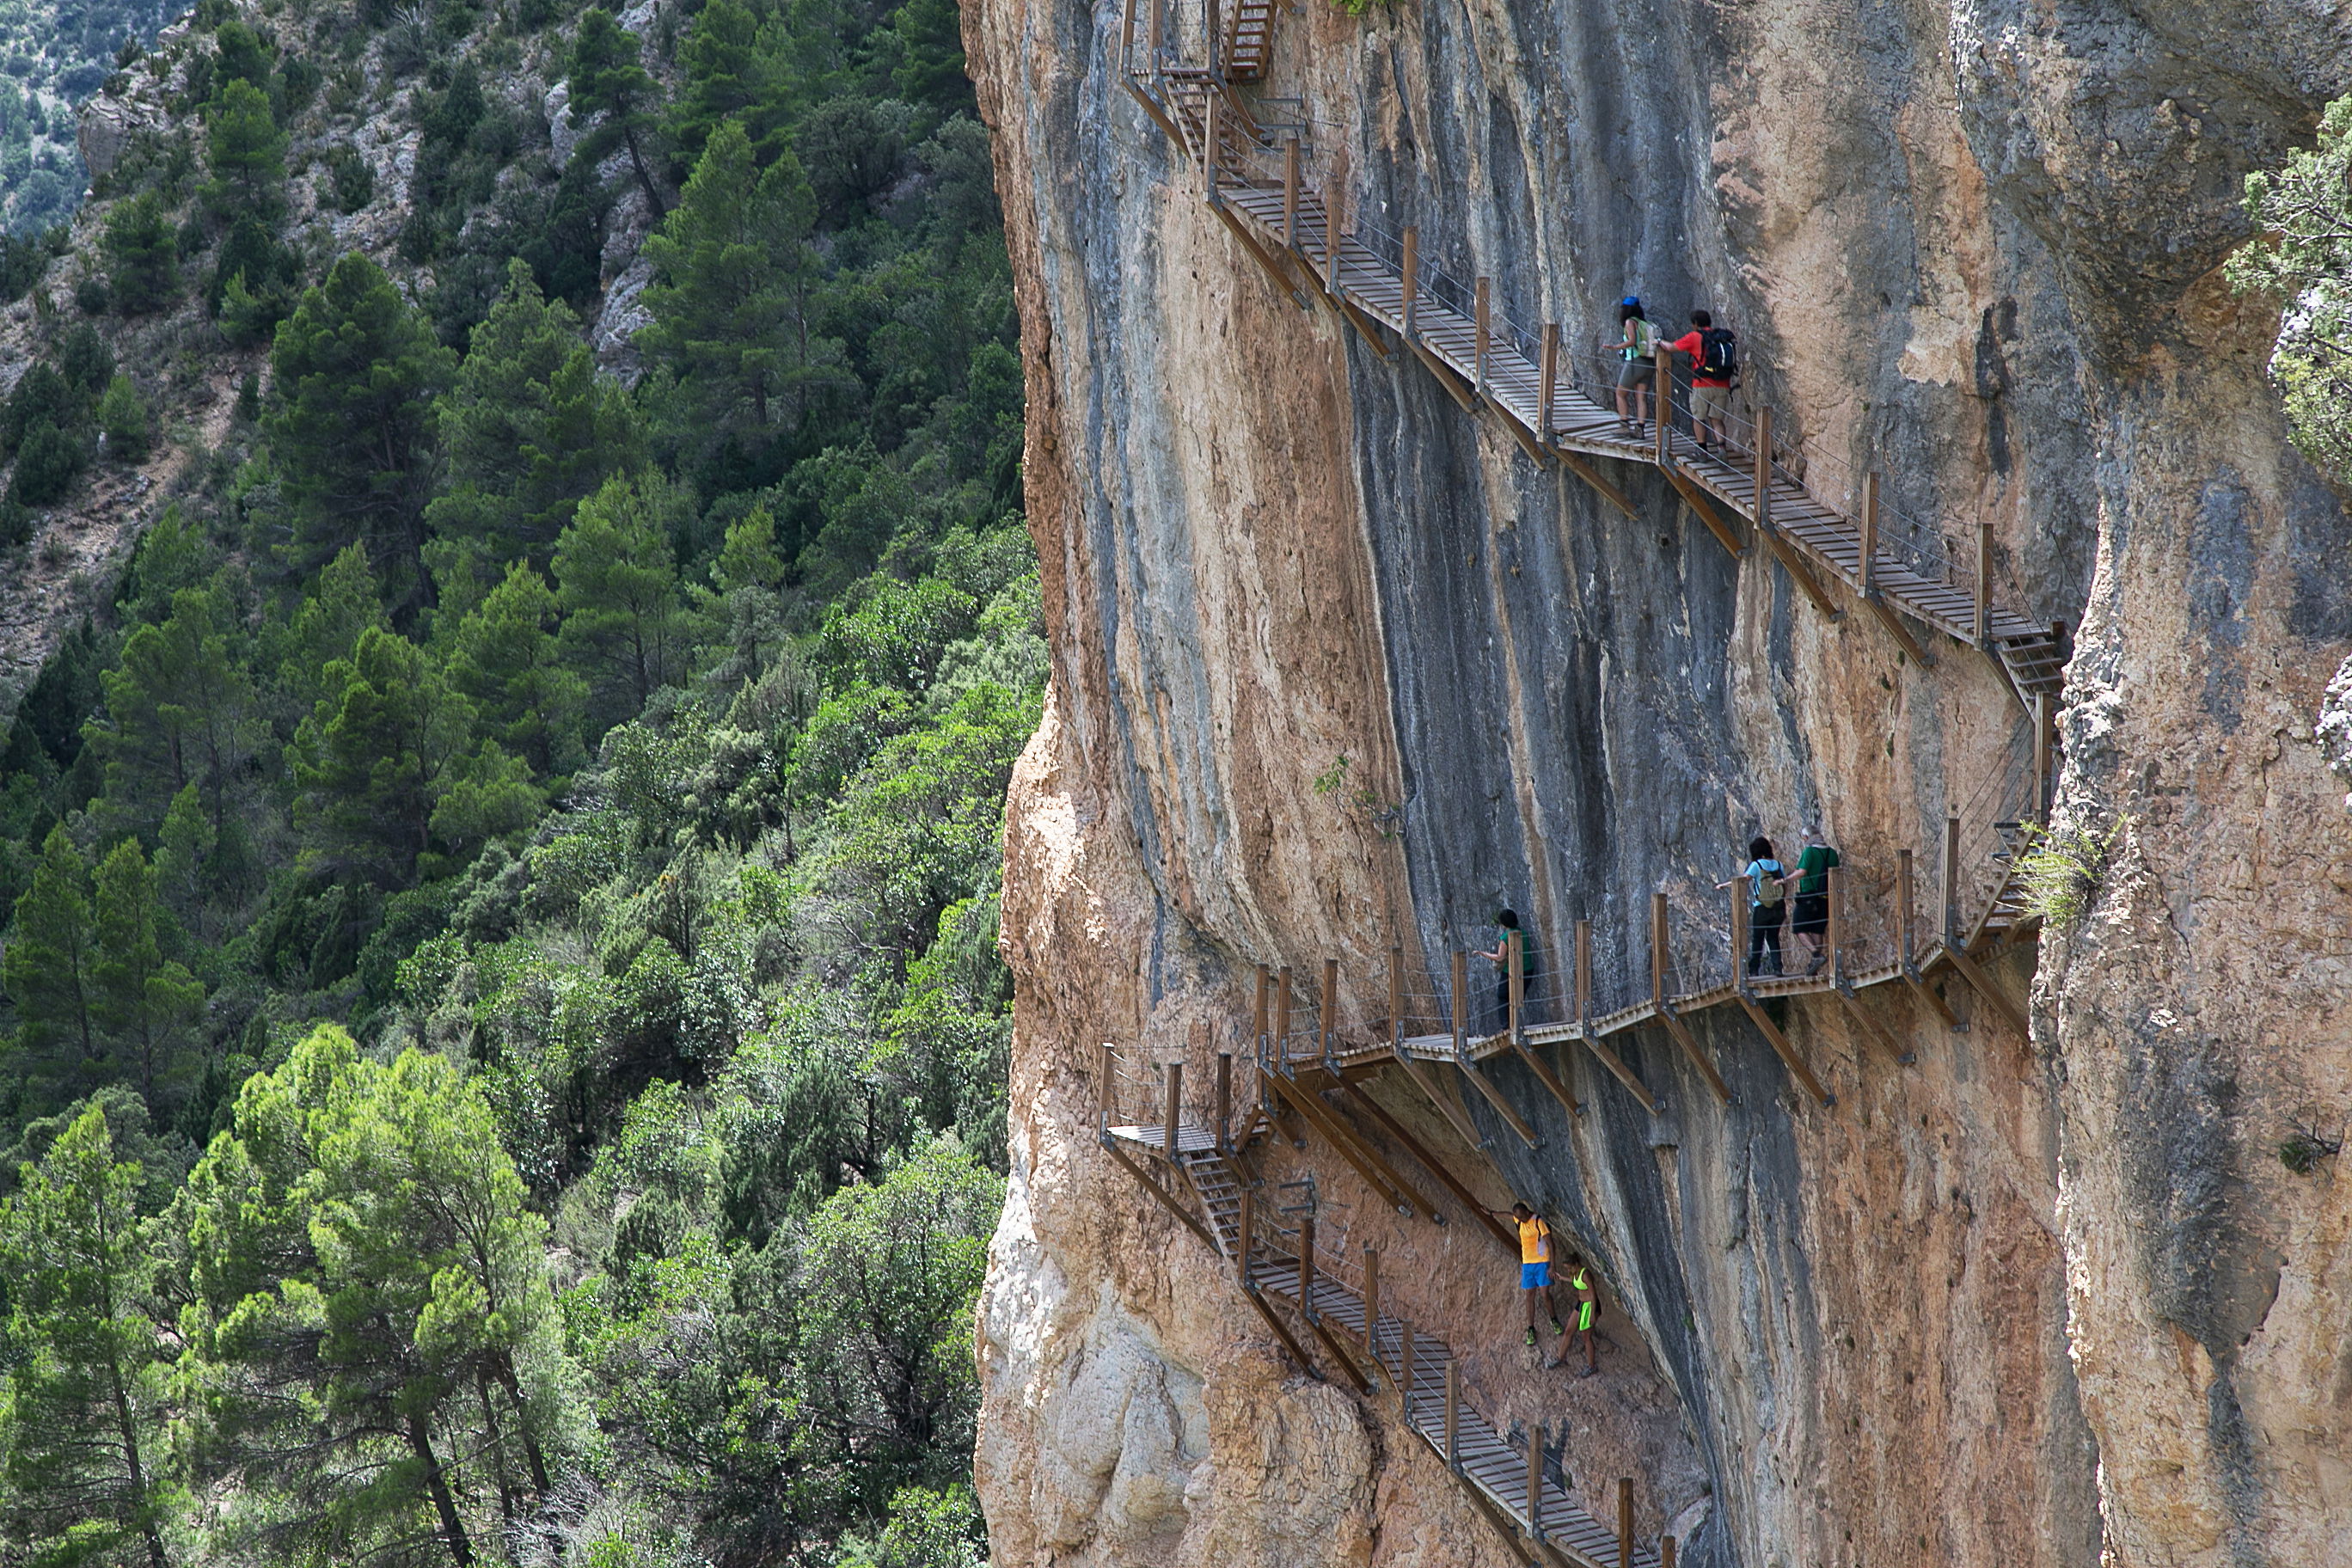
x=2017, y=1303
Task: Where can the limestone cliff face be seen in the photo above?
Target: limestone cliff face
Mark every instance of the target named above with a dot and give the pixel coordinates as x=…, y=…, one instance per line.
x=2016, y=1302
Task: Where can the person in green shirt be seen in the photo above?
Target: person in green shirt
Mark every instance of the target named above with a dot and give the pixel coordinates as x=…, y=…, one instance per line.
x=1811, y=876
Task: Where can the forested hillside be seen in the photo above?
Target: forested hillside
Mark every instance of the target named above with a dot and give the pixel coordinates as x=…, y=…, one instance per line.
x=504, y=1039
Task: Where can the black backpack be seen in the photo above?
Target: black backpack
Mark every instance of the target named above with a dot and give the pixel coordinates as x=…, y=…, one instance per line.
x=1719, y=351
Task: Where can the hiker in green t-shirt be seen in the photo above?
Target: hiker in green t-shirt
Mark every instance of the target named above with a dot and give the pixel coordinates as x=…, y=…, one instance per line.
x=1812, y=878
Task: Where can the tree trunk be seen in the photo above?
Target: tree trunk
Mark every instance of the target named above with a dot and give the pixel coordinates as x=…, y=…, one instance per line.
x=513, y=1385
x=453, y=1528
x=130, y=1433
x=637, y=162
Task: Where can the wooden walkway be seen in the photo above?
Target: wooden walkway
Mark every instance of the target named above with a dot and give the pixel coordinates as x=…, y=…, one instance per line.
x=1417, y=1369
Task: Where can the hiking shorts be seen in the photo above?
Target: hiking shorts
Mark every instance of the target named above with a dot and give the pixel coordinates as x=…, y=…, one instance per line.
x=1534, y=1276
x=1636, y=373
x=1710, y=402
x=1812, y=914
x=1584, y=1316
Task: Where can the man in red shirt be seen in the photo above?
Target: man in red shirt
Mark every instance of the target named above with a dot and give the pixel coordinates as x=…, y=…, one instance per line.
x=1710, y=403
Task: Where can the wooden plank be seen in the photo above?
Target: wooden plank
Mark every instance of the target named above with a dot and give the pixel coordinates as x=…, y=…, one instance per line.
x=1701, y=503
x=1431, y=1163
x=1592, y=475
x=1983, y=985
x=1173, y=1206
x=1781, y=1045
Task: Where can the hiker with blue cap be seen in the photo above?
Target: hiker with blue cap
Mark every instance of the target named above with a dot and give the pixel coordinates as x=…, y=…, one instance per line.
x=1637, y=367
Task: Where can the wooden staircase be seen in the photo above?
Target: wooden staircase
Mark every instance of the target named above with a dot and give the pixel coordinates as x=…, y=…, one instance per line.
x=1526, y=1498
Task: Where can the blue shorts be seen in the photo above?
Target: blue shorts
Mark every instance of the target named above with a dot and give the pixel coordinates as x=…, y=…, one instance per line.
x=1534, y=1276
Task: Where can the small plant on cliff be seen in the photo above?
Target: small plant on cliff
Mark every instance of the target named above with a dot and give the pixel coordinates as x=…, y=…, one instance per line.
x=1386, y=816
x=2062, y=870
x=2304, y=260
x=2302, y=1150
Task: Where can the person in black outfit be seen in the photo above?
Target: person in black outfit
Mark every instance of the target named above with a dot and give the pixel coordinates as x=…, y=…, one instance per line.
x=1767, y=881
x=1511, y=936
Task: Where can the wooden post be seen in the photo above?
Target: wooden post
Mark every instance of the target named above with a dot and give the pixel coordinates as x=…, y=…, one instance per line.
x=1216, y=30
x=1208, y=149
x=1175, y=1110
x=1224, y=1101
x=1248, y=1225
x=1658, y=949
x=1837, y=925
x=1371, y=1299
x=1984, y=583
x=1483, y=343
x=1583, y=976
x=1535, y=1482
x=1404, y=1368
x=1396, y=1000
x=1519, y=988
x=1675, y=1026
x=1412, y=279
x=1126, y=36
x=1282, y=1015
x=1307, y=1265
x=1257, y=1009
x=1870, y=534
x=1903, y=905
x=1740, y=932
x=1666, y=1552
x=1951, y=880
x=1460, y=984
x=1625, y=1520
x=1666, y=399
x=1290, y=194
x=1764, y=470
x=2041, y=815
x=1331, y=1009
x=1331, y=194
x=1108, y=1102
x=1159, y=30
x=1549, y=368
x=1454, y=1415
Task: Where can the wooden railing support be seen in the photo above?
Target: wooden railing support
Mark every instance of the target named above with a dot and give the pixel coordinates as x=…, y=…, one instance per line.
x=1764, y=468
x=1518, y=981
x=1159, y=30
x=1282, y=1016
x=1396, y=1001
x=2042, y=740
x=1371, y=1300
x=1666, y=1552
x=1625, y=1522
x=1984, y=583
x=1658, y=962
x=1411, y=283
x=1548, y=373
x=1835, y=888
x=1307, y=1267
x=1461, y=985
x=1224, y=1103
x=1215, y=21
x=1258, y=1009
x=1535, y=1485
x=1481, y=347
x=1584, y=976
x=1870, y=534
x=1326, y=1031
x=1454, y=1415
x=1247, y=1226
x=1951, y=924
x=1212, y=148
x=1290, y=194
x=1404, y=1369
x=1175, y=1110
x=1666, y=410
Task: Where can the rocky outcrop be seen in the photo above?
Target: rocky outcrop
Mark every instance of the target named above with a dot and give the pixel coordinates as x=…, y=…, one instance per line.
x=2020, y=1301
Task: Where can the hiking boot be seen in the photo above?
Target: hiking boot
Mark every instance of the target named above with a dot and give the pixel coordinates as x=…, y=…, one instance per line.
x=1819, y=959
x=1557, y=1327
x=1531, y=1336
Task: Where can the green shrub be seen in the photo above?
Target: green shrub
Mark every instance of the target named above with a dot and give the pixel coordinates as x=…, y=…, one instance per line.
x=47, y=462
x=2063, y=869
x=123, y=415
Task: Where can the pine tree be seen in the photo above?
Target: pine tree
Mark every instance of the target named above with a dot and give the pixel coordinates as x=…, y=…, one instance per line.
x=179, y=711
x=248, y=153
x=141, y=255
x=144, y=1005
x=506, y=660
x=375, y=756
x=46, y=968
x=731, y=268
x=186, y=855
x=529, y=428
x=729, y=75
x=356, y=373
x=617, y=581
x=608, y=78
x=374, y=1332
x=84, y=1444
x=341, y=603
